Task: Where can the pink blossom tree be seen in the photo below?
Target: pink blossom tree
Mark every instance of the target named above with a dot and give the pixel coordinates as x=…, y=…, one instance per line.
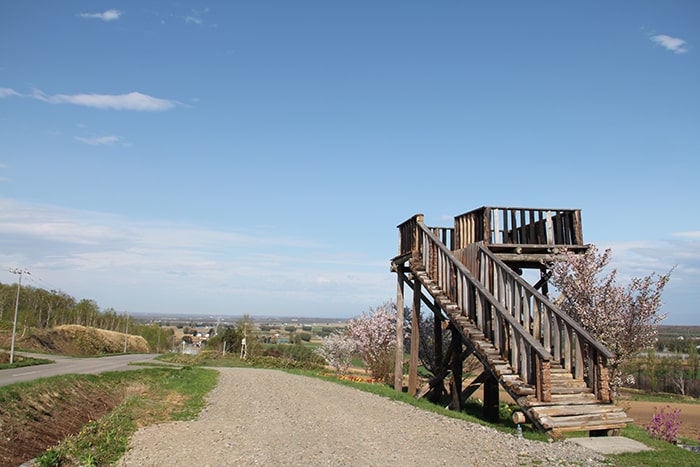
x=374, y=334
x=624, y=319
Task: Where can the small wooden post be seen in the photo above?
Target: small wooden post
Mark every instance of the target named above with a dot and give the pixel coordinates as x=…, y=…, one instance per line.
x=486, y=226
x=415, y=337
x=398, y=364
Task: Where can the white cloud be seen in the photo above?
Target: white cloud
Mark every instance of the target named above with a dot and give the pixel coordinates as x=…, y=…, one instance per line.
x=173, y=267
x=6, y=92
x=643, y=257
x=99, y=140
x=109, y=15
x=691, y=234
x=674, y=44
x=197, y=17
x=131, y=101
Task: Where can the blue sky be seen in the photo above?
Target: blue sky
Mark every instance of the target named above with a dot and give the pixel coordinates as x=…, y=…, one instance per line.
x=256, y=157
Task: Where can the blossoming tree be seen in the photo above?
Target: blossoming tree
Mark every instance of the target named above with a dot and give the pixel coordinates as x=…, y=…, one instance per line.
x=337, y=350
x=374, y=334
x=624, y=319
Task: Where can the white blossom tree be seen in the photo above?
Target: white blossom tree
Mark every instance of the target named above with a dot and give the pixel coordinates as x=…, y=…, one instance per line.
x=623, y=318
x=374, y=334
x=337, y=350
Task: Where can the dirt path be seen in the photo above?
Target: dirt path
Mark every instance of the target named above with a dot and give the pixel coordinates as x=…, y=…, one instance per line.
x=267, y=417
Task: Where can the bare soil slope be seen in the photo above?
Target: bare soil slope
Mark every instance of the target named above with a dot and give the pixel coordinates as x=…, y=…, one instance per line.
x=47, y=416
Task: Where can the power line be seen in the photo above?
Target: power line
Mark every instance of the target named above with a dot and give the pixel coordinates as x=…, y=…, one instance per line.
x=42, y=282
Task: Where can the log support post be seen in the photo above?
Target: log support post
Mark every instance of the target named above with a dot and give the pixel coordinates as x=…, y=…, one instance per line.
x=491, y=398
x=415, y=340
x=456, y=369
x=398, y=364
x=438, y=390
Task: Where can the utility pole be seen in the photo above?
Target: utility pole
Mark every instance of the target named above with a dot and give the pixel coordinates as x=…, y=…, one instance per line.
x=126, y=332
x=14, y=324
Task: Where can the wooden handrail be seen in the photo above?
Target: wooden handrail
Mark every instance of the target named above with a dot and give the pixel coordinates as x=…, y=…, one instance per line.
x=526, y=355
x=569, y=343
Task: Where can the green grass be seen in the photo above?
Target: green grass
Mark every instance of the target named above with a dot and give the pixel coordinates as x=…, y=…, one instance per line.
x=21, y=361
x=663, y=455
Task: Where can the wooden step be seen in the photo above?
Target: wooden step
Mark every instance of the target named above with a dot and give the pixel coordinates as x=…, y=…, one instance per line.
x=591, y=427
x=578, y=409
x=567, y=390
x=502, y=370
x=584, y=422
x=567, y=399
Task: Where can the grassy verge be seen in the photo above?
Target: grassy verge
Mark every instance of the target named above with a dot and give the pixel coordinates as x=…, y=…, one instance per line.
x=20, y=361
x=151, y=396
x=664, y=454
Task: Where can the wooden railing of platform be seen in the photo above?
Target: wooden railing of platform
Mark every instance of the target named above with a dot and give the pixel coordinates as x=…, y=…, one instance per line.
x=498, y=225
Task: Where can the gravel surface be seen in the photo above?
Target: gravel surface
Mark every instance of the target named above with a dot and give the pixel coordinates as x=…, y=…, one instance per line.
x=267, y=417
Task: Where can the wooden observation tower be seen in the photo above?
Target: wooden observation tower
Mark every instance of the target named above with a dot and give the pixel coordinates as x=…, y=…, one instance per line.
x=469, y=276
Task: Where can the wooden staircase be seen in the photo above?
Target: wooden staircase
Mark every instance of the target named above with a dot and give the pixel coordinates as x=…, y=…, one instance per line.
x=550, y=366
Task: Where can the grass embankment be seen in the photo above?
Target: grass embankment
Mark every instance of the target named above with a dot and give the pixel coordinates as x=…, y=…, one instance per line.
x=92, y=417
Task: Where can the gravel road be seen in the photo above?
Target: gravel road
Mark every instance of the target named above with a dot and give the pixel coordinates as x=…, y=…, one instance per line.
x=267, y=417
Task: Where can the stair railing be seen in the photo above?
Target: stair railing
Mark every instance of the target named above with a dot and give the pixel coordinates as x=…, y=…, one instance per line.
x=570, y=344
x=527, y=356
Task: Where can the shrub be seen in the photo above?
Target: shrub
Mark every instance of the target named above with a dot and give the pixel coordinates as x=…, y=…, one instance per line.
x=623, y=318
x=375, y=336
x=664, y=425
x=337, y=350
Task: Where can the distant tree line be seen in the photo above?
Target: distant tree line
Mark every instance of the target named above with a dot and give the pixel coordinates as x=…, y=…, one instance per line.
x=40, y=308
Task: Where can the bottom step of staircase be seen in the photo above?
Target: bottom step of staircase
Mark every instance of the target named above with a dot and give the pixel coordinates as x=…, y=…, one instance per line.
x=580, y=417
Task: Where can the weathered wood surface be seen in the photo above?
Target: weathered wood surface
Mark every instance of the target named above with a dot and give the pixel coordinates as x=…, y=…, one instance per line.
x=496, y=225
x=538, y=353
